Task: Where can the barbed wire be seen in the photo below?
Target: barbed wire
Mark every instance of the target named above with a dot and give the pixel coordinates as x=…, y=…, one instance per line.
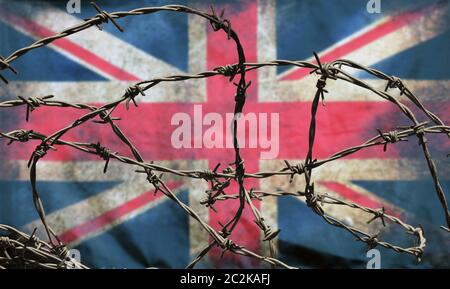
x=46, y=254
x=21, y=251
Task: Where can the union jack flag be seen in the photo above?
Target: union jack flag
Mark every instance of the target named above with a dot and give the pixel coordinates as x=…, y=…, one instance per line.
x=115, y=220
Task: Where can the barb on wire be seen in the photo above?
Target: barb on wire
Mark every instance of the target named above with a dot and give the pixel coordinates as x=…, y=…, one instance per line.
x=5, y=65
x=228, y=70
x=21, y=250
x=104, y=17
x=33, y=103
x=104, y=153
x=390, y=137
x=131, y=93
x=219, y=22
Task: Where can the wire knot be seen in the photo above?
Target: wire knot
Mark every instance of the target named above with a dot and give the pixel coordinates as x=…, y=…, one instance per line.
x=419, y=130
x=321, y=83
x=227, y=70
x=104, y=153
x=297, y=169
x=269, y=233
x=131, y=93
x=378, y=215
x=371, y=241
x=152, y=178
x=21, y=136
x=40, y=152
x=395, y=82
x=105, y=17
x=325, y=69
x=227, y=245
x=390, y=137
x=312, y=199
x=207, y=174
x=219, y=22
x=62, y=251
x=5, y=65
x=33, y=103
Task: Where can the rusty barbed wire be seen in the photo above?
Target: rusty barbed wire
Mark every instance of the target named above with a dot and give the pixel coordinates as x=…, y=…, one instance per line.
x=46, y=255
x=21, y=251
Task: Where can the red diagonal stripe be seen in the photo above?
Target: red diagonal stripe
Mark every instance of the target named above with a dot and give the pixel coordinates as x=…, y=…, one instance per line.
x=68, y=46
x=109, y=217
x=385, y=28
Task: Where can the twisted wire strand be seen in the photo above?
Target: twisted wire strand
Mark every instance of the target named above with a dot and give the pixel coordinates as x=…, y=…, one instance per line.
x=236, y=172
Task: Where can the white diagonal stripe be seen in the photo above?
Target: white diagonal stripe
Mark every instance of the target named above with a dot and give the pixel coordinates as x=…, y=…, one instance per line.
x=133, y=185
x=425, y=28
x=104, y=92
x=117, y=52
x=109, y=47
